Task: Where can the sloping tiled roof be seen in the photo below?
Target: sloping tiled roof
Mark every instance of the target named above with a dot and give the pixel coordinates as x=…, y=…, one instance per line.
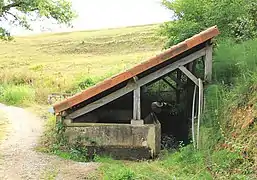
x=150, y=63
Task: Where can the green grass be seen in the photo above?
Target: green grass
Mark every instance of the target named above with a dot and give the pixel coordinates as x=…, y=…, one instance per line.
x=185, y=164
x=69, y=62
x=17, y=95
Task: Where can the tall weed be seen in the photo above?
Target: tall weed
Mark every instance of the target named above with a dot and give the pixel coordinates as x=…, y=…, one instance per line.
x=17, y=95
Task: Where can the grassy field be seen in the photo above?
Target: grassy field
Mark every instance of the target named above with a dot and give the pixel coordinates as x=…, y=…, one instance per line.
x=69, y=62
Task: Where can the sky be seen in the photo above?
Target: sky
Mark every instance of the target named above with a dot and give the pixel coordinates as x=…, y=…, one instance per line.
x=99, y=14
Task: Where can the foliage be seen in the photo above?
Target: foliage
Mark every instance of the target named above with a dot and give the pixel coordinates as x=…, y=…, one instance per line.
x=16, y=95
x=192, y=16
x=22, y=12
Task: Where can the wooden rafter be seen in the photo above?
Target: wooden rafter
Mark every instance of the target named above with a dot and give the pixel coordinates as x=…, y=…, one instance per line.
x=139, y=83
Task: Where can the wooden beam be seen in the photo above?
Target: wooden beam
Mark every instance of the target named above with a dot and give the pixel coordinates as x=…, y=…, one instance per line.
x=105, y=100
x=200, y=94
x=193, y=117
x=140, y=82
x=171, y=76
x=189, y=74
x=179, y=74
x=167, y=82
x=208, y=64
x=137, y=104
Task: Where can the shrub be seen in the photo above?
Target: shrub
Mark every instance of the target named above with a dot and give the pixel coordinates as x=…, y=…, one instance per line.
x=192, y=16
x=16, y=95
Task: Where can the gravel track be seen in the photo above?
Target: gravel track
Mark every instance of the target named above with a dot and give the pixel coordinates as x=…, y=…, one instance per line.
x=19, y=160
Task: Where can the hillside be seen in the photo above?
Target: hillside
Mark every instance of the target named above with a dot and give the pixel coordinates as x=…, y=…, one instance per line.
x=59, y=62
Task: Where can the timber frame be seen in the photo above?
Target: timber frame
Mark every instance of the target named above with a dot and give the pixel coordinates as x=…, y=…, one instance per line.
x=180, y=58
x=136, y=84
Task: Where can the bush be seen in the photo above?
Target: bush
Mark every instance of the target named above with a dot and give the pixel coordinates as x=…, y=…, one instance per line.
x=233, y=61
x=234, y=18
x=16, y=95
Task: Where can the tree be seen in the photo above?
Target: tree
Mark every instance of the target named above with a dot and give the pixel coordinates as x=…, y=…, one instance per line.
x=23, y=12
x=234, y=18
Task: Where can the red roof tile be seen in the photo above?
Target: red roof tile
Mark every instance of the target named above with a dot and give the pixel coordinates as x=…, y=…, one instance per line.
x=113, y=81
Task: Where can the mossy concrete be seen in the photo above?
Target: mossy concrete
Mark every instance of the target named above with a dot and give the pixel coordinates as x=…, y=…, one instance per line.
x=124, y=138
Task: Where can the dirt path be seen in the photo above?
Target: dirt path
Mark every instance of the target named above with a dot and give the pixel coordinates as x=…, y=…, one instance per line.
x=18, y=160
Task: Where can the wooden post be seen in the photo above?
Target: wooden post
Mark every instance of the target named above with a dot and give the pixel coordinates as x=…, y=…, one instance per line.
x=137, y=105
x=200, y=94
x=179, y=74
x=208, y=64
x=193, y=117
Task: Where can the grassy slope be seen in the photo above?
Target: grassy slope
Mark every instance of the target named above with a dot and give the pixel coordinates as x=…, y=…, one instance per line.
x=59, y=62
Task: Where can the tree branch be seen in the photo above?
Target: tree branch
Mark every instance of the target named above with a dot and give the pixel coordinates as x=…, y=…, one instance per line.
x=9, y=6
x=15, y=17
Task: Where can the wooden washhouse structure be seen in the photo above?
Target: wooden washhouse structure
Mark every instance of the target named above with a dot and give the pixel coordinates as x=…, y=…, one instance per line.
x=113, y=115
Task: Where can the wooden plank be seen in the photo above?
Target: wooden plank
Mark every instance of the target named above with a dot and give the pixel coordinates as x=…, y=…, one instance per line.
x=189, y=74
x=208, y=64
x=193, y=117
x=167, y=82
x=105, y=100
x=179, y=75
x=200, y=85
x=137, y=104
x=122, y=77
x=171, y=76
x=132, y=86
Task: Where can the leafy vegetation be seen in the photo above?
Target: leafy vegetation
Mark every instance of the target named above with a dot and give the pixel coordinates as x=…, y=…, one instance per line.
x=17, y=95
x=192, y=16
x=22, y=12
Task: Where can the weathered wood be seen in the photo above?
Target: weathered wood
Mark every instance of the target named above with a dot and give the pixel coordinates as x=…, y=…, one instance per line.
x=193, y=117
x=172, y=77
x=105, y=100
x=179, y=74
x=136, y=104
x=208, y=64
x=199, y=112
x=189, y=74
x=167, y=82
x=140, y=82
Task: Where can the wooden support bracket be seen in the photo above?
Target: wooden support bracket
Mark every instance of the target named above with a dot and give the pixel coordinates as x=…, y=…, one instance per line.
x=139, y=83
x=189, y=74
x=171, y=85
x=208, y=64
